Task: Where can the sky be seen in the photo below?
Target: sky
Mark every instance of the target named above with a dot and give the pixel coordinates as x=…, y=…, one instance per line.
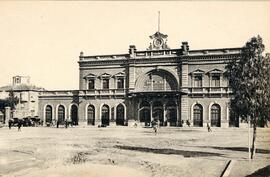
x=43, y=39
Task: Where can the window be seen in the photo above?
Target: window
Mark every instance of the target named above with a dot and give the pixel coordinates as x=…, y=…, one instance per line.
x=215, y=115
x=215, y=81
x=105, y=83
x=91, y=115
x=48, y=114
x=198, y=115
x=198, y=81
x=105, y=112
x=61, y=114
x=120, y=83
x=91, y=84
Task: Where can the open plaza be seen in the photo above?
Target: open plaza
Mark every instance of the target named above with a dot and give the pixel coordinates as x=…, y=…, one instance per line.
x=130, y=151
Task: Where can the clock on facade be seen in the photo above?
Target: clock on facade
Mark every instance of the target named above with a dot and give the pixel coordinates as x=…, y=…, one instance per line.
x=158, y=42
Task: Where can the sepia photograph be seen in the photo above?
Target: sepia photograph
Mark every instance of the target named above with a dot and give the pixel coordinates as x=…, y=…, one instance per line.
x=135, y=89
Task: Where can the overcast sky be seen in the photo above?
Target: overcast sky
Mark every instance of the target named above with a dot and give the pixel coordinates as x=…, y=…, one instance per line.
x=43, y=39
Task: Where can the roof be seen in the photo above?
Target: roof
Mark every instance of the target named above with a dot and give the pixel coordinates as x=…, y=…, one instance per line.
x=21, y=87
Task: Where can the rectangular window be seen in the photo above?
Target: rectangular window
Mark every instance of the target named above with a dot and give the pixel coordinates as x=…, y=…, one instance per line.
x=198, y=81
x=215, y=81
x=105, y=83
x=120, y=83
x=91, y=84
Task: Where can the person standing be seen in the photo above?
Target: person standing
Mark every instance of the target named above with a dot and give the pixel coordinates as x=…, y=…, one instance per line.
x=209, y=128
x=19, y=125
x=9, y=123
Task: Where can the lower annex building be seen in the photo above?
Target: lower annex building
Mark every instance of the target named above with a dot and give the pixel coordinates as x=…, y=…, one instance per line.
x=169, y=85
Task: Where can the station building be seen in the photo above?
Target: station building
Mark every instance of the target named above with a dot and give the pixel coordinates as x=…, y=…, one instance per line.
x=174, y=86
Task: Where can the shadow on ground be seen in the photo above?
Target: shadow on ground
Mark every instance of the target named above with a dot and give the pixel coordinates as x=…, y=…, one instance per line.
x=169, y=151
x=263, y=172
x=243, y=149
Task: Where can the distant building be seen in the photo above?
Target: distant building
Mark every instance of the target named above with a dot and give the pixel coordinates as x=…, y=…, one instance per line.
x=174, y=86
x=27, y=95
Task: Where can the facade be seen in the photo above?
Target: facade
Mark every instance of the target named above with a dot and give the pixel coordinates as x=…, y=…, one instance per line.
x=27, y=95
x=174, y=86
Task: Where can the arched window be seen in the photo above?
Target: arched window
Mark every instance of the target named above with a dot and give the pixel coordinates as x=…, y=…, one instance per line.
x=48, y=114
x=61, y=114
x=197, y=115
x=215, y=115
x=120, y=115
x=105, y=113
x=159, y=81
x=91, y=115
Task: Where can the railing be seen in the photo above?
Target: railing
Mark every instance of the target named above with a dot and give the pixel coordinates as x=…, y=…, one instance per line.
x=94, y=92
x=209, y=90
x=156, y=53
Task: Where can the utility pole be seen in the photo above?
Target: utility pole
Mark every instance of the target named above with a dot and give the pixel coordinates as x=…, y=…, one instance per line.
x=249, y=142
x=158, y=21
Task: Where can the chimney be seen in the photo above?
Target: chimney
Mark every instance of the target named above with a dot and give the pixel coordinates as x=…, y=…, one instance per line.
x=185, y=47
x=132, y=50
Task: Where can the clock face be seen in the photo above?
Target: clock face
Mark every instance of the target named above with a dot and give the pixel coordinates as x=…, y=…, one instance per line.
x=158, y=42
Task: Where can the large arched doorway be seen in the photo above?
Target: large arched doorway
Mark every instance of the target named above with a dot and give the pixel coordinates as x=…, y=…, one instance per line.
x=171, y=113
x=74, y=114
x=215, y=115
x=48, y=114
x=144, y=112
x=158, y=114
x=197, y=115
x=61, y=114
x=90, y=115
x=120, y=115
x=105, y=115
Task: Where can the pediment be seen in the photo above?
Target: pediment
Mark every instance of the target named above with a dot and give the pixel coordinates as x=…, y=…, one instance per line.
x=197, y=71
x=215, y=71
x=105, y=75
x=120, y=74
x=90, y=76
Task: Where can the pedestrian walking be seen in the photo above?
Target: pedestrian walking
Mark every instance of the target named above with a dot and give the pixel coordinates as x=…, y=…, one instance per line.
x=209, y=128
x=57, y=124
x=9, y=123
x=154, y=125
x=19, y=125
x=188, y=123
x=66, y=124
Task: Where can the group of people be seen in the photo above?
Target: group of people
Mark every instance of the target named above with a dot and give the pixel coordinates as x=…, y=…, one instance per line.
x=155, y=125
x=11, y=122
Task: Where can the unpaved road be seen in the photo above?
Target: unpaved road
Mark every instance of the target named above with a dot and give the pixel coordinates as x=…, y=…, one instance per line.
x=128, y=152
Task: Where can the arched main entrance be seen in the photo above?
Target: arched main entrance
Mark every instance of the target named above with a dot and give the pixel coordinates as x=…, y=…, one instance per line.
x=144, y=112
x=90, y=115
x=120, y=115
x=158, y=114
x=61, y=114
x=74, y=114
x=105, y=115
x=48, y=114
x=171, y=113
x=197, y=115
x=215, y=115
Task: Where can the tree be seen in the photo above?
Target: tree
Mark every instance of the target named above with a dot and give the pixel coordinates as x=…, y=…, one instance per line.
x=11, y=101
x=249, y=79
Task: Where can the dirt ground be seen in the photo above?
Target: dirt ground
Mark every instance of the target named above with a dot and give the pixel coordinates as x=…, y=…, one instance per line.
x=129, y=152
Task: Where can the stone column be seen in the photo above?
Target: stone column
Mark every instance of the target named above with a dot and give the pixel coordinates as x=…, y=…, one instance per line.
x=164, y=115
x=7, y=114
x=151, y=111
